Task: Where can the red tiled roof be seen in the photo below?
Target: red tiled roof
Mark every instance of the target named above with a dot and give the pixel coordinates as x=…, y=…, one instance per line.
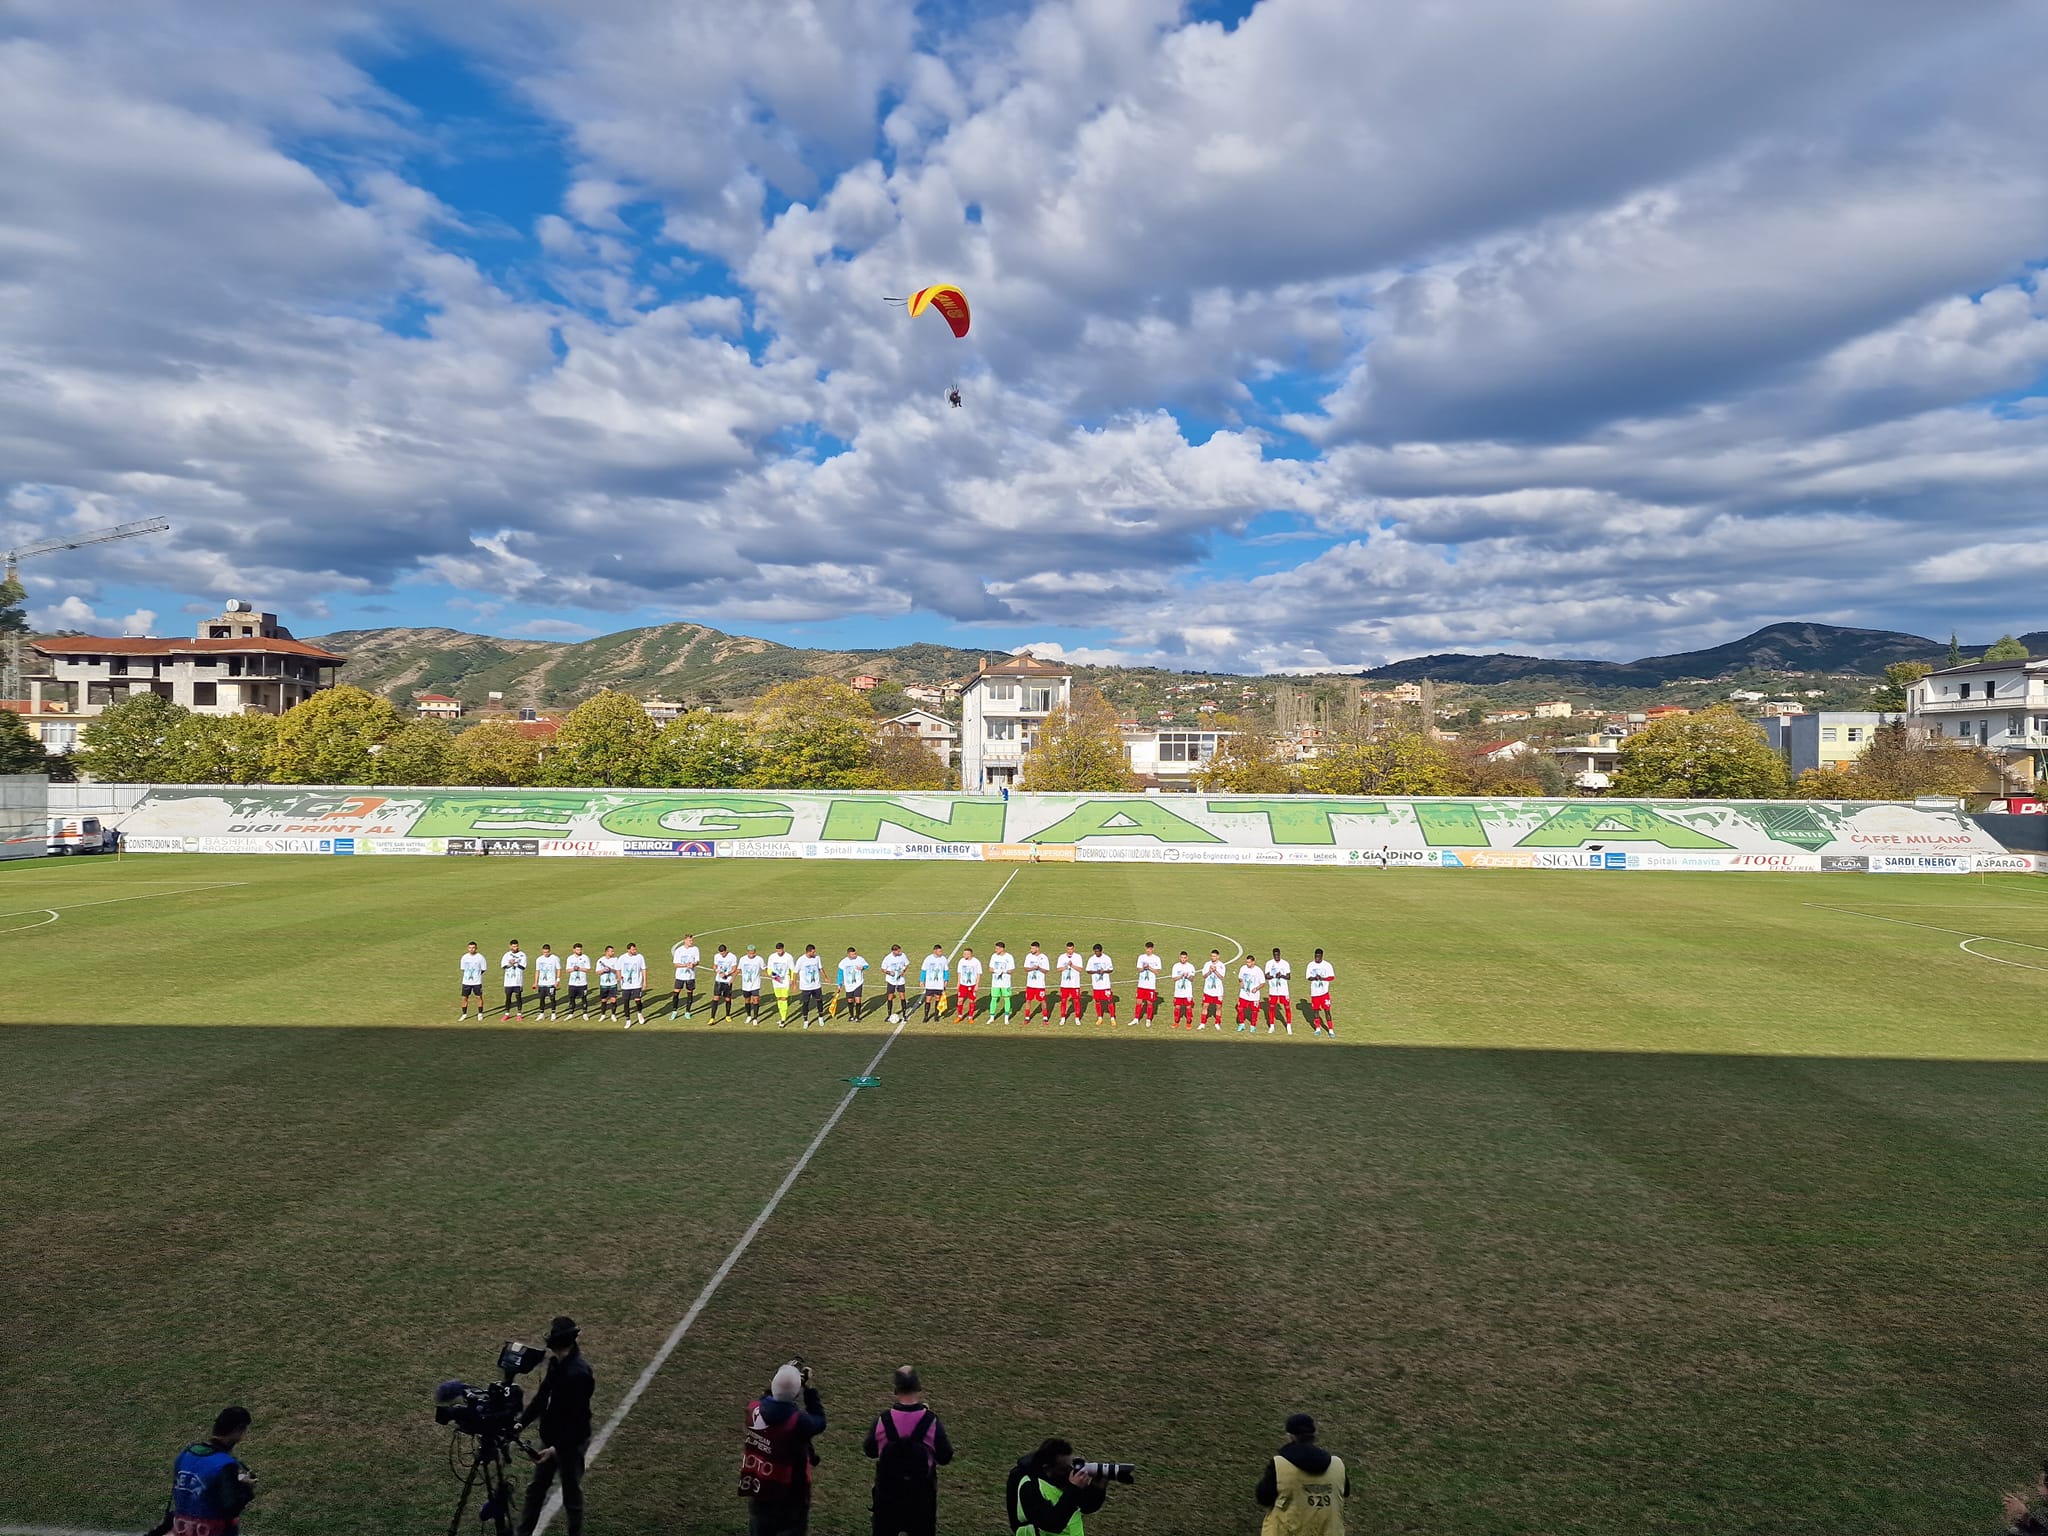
x=133, y=645
x=434, y=698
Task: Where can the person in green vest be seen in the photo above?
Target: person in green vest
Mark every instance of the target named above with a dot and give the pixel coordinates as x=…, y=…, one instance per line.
x=1048, y=1495
x=1304, y=1486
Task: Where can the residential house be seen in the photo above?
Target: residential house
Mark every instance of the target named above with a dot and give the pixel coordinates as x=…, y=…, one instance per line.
x=935, y=733
x=1552, y=709
x=1002, y=707
x=1589, y=764
x=866, y=682
x=1828, y=739
x=1172, y=758
x=661, y=711
x=1999, y=707
x=436, y=706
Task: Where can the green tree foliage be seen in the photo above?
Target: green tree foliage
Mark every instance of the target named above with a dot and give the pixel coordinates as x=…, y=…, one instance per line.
x=19, y=751
x=2007, y=649
x=700, y=750
x=13, y=607
x=136, y=741
x=415, y=754
x=1533, y=771
x=605, y=741
x=1363, y=762
x=814, y=733
x=1712, y=755
x=1080, y=749
x=1252, y=760
x=327, y=739
x=222, y=749
x=1900, y=763
x=1828, y=784
x=1898, y=678
x=901, y=761
x=1955, y=651
x=492, y=754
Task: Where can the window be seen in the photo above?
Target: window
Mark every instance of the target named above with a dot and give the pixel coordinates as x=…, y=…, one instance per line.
x=1990, y=688
x=1827, y=733
x=99, y=693
x=2041, y=724
x=59, y=738
x=1001, y=693
x=1001, y=730
x=1965, y=691
x=1038, y=700
x=1855, y=733
x=204, y=694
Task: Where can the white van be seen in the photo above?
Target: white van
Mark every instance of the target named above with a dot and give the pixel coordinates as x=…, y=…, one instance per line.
x=80, y=834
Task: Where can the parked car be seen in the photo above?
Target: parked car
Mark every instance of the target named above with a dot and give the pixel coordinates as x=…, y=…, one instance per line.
x=82, y=834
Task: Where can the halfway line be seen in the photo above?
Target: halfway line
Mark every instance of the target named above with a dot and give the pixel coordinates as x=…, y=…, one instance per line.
x=668, y=1347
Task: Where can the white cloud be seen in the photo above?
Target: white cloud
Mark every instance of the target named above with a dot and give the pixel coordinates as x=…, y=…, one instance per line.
x=75, y=612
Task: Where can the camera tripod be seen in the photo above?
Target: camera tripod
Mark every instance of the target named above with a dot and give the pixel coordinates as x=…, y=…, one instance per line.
x=488, y=1459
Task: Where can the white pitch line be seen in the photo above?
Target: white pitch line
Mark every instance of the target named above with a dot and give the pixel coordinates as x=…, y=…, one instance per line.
x=1995, y=959
x=24, y=927
x=66, y=906
x=55, y=1530
x=1967, y=937
x=676, y=1334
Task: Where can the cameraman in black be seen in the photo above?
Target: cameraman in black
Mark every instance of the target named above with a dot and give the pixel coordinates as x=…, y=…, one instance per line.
x=563, y=1407
x=1048, y=1495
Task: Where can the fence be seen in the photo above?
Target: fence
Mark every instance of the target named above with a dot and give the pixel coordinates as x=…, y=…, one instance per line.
x=24, y=816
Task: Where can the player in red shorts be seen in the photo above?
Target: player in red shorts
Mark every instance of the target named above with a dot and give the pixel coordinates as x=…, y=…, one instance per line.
x=1279, y=993
x=967, y=977
x=1251, y=980
x=1037, y=963
x=1071, y=973
x=1101, y=971
x=1183, y=992
x=1320, y=974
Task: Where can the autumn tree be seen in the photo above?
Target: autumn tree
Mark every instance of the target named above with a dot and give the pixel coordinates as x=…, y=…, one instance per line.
x=1252, y=759
x=415, y=754
x=1712, y=755
x=813, y=733
x=223, y=749
x=606, y=741
x=700, y=750
x=1361, y=761
x=327, y=738
x=493, y=754
x=1080, y=749
x=902, y=761
x=1899, y=763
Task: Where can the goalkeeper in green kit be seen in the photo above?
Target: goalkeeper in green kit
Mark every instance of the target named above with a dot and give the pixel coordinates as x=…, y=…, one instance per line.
x=1002, y=969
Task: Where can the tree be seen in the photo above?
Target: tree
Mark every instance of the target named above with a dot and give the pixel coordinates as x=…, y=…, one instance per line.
x=2006, y=649
x=606, y=741
x=19, y=751
x=1955, y=652
x=1360, y=761
x=1713, y=755
x=902, y=761
x=1898, y=678
x=1531, y=771
x=415, y=754
x=1080, y=749
x=814, y=733
x=1828, y=784
x=1251, y=760
x=13, y=606
x=222, y=749
x=327, y=739
x=493, y=754
x=134, y=741
x=700, y=750
x=1898, y=764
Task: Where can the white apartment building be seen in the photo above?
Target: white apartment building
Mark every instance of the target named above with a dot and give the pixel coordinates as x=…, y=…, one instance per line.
x=1552, y=709
x=1828, y=739
x=243, y=662
x=1589, y=764
x=1999, y=707
x=935, y=733
x=1001, y=708
x=1173, y=757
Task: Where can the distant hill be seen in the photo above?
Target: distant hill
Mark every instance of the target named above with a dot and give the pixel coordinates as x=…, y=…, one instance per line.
x=686, y=662
x=1787, y=647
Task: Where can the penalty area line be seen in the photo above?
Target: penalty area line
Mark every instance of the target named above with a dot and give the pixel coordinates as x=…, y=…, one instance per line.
x=55, y=1530
x=718, y=1276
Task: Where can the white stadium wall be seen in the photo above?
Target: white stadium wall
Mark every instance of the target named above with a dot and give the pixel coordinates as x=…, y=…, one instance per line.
x=1180, y=829
x=24, y=816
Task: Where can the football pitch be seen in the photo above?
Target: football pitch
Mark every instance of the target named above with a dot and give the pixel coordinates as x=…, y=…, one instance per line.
x=1644, y=1202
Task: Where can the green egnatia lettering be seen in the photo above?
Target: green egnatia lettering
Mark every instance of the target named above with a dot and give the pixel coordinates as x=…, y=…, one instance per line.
x=861, y=821
x=1123, y=818
x=712, y=816
x=1298, y=820
x=1578, y=824
x=506, y=814
x=1450, y=824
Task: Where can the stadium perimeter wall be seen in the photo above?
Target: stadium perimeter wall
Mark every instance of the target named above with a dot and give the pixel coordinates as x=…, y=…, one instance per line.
x=24, y=815
x=1177, y=829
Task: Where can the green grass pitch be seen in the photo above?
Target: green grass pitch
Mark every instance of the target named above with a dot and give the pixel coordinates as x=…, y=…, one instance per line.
x=1632, y=1203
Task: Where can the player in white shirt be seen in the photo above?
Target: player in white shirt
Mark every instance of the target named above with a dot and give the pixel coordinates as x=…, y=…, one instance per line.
x=853, y=975
x=1037, y=965
x=1002, y=967
x=1320, y=974
x=895, y=978
x=473, y=967
x=810, y=985
x=633, y=986
x=1101, y=977
x=547, y=975
x=725, y=966
x=1251, y=979
x=608, y=983
x=1279, y=993
x=1145, y=1004
x=969, y=982
x=1214, y=973
x=686, y=958
x=752, y=967
x=578, y=966
x=1072, y=971
x=513, y=964
x=933, y=974
x=781, y=972
x=1184, y=992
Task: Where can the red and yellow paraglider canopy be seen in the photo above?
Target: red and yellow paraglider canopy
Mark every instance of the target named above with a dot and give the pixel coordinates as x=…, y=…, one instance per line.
x=948, y=300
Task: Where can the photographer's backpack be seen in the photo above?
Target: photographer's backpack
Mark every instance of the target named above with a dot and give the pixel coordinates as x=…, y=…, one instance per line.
x=904, y=1464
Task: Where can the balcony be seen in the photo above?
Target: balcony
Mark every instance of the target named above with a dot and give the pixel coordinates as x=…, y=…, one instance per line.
x=2034, y=698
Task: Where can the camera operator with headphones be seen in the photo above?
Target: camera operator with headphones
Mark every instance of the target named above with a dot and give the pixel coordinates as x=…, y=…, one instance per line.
x=1048, y=1494
x=563, y=1407
x=210, y=1487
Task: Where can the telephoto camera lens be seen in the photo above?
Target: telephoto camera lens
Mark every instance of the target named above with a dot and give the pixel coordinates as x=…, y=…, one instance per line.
x=1108, y=1471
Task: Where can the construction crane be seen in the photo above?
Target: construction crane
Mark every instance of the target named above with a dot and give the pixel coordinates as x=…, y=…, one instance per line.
x=10, y=683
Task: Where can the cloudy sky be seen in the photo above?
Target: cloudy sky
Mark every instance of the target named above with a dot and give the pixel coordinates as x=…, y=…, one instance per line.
x=1308, y=332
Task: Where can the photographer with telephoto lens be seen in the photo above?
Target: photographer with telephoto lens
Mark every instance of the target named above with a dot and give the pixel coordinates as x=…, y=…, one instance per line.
x=209, y=1485
x=1049, y=1492
x=776, y=1456
x=563, y=1407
